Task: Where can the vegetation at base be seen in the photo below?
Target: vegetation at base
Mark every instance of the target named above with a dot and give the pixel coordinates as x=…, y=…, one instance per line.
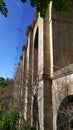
x=10, y=121
x=26, y=126
x=41, y=6
x=10, y=115
x=6, y=94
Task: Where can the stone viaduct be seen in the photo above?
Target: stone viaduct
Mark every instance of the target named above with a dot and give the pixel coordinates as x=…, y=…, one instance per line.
x=44, y=76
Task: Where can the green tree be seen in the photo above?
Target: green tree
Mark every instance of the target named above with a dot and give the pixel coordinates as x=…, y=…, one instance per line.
x=3, y=8
x=6, y=94
x=41, y=6
x=4, y=82
x=10, y=121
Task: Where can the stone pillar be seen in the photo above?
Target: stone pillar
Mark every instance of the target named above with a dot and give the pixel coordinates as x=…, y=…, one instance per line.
x=30, y=91
x=21, y=88
x=16, y=88
x=70, y=89
x=48, y=113
x=21, y=73
x=40, y=121
x=24, y=77
x=18, y=84
x=25, y=81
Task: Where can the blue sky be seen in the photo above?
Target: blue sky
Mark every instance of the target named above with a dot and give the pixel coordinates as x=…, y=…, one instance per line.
x=12, y=35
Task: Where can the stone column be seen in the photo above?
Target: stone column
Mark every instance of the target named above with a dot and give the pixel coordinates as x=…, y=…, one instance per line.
x=18, y=83
x=70, y=89
x=24, y=80
x=48, y=113
x=30, y=91
x=21, y=73
x=21, y=88
x=16, y=88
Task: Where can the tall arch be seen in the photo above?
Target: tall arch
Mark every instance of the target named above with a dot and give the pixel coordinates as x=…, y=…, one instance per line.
x=36, y=55
x=35, y=97
x=65, y=114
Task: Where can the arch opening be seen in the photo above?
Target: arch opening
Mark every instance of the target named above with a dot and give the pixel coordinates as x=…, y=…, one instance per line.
x=35, y=97
x=65, y=114
x=36, y=56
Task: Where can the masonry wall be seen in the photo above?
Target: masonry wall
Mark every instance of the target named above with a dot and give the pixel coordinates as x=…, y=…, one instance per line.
x=62, y=28
x=62, y=38
x=62, y=87
x=39, y=26
x=41, y=86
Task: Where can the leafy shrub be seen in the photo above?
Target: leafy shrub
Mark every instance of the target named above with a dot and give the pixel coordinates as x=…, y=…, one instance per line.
x=10, y=121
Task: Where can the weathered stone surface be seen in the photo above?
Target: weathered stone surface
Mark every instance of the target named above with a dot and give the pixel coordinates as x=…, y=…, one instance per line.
x=44, y=78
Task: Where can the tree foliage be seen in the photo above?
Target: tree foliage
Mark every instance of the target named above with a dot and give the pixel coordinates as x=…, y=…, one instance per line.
x=4, y=82
x=11, y=121
x=6, y=93
x=10, y=117
x=41, y=6
x=3, y=8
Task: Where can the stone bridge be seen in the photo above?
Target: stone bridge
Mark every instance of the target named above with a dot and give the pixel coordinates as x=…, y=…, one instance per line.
x=44, y=78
